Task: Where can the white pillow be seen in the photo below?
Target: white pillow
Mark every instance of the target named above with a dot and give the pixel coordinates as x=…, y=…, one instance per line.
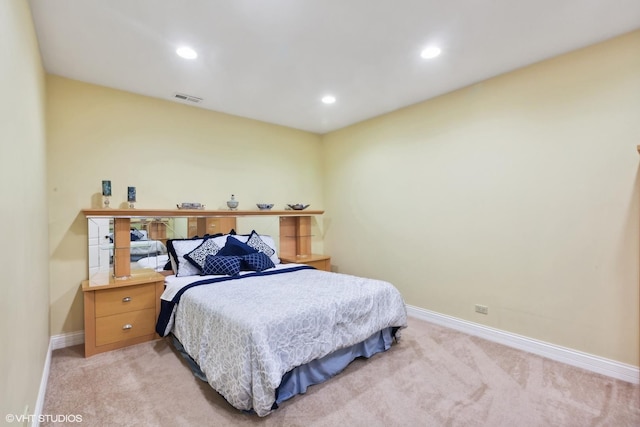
x=221, y=240
x=181, y=265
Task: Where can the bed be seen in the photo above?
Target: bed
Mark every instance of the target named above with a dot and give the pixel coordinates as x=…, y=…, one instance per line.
x=262, y=334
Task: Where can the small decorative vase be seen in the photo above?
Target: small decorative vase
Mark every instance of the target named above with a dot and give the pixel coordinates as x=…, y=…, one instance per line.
x=233, y=203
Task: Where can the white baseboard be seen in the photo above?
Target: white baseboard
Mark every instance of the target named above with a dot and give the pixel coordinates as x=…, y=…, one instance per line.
x=600, y=365
x=55, y=342
x=37, y=410
x=67, y=340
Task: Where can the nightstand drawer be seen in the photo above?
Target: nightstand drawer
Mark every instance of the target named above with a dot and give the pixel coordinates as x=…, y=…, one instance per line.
x=122, y=300
x=111, y=329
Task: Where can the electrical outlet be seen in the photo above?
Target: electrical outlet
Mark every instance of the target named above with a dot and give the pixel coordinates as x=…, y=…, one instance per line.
x=482, y=309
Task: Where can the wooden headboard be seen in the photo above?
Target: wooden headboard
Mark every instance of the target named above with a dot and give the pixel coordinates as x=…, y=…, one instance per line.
x=295, y=228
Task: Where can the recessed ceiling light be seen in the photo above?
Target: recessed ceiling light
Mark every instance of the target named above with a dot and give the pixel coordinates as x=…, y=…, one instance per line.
x=430, y=52
x=186, y=52
x=329, y=99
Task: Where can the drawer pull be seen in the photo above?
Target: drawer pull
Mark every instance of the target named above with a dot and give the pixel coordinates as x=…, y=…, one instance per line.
x=127, y=326
x=126, y=299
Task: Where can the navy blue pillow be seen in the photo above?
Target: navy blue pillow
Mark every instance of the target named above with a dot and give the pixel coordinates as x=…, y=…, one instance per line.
x=227, y=265
x=136, y=235
x=235, y=247
x=258, y=261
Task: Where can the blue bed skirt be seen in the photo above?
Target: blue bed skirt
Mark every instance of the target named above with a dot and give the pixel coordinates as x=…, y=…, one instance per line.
x=317, y=371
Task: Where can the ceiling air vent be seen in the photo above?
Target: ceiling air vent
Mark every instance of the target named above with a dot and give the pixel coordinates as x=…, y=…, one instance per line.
x=189, y=98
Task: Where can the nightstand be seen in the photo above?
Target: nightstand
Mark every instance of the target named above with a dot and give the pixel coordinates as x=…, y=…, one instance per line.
x=321, y=262
x=121, y=313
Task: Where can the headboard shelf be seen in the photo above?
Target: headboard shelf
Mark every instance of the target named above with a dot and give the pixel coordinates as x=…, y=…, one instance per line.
x=159, y=213
x=114, y=259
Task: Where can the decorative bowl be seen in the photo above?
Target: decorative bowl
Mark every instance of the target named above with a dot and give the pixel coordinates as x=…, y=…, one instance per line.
x=264, y=206
x=298, y=206
x=185, y=205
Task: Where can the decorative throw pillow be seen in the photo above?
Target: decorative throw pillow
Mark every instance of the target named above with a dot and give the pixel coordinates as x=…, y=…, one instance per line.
x=136, y=235
x=258, y=244
x=198, y=256
x=178, y=248
x=266, y=239
x=227, y=265
x=258, y=261
x=235, y=247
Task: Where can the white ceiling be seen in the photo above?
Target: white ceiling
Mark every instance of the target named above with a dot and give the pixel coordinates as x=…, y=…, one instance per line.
x=273, y=60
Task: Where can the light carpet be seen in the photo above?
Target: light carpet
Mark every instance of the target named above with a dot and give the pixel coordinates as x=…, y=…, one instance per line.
x=433, y=376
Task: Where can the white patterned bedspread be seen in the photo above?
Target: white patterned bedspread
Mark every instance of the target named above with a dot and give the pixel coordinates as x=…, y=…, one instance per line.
x=245, y=334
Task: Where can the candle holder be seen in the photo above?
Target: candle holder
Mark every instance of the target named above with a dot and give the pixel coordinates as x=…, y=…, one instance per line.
x=106, y=191
x=131, y=196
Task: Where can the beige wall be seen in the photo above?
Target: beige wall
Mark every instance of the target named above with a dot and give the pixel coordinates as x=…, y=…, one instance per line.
x=24, y=305
x=519, y=193
x=171, y=153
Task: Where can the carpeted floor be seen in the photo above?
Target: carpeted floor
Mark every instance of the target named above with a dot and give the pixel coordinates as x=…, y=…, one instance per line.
x=433, y=377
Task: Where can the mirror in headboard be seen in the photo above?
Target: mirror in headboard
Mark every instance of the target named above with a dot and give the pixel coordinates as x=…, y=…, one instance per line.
x=144, y=248
x=145, y=239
